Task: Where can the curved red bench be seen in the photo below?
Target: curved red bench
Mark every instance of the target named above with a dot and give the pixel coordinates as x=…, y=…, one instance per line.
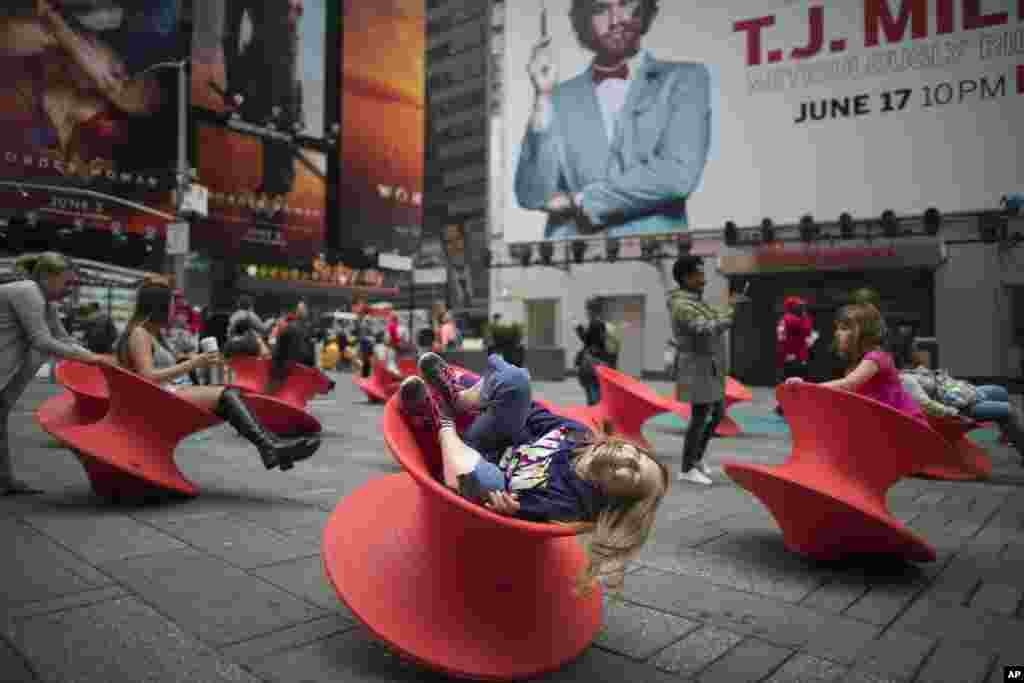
x=626, y=403
x=734, y=393
x=381, y=384
x=450, y=584
x=284, y=411
x=829, y=495
x=973, y=463
x=85, y=398
x=302, y=385
x=128, y=452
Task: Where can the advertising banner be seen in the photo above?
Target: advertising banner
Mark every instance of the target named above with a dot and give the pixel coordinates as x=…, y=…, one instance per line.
x=233, y=166
x=262, y=60
x=380, y=196
x=88, y=111
x=635, y=117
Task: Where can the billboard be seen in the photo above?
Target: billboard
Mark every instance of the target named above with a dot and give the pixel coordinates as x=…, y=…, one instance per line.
x=233, y=166
x=380, y=193
x=88, y=111
x=740, y=111
x=263, y=61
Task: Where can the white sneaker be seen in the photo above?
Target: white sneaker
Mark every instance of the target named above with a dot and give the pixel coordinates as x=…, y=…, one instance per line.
x=694, y=476
x=705, y=470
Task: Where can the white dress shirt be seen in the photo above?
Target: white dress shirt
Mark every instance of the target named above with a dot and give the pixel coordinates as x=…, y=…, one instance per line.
x=611, y=95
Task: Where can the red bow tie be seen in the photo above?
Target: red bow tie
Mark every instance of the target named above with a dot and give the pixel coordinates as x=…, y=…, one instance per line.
x=621, y=72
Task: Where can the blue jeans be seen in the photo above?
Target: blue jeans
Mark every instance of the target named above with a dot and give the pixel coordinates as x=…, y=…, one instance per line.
x=506, y=393
x=993, y=404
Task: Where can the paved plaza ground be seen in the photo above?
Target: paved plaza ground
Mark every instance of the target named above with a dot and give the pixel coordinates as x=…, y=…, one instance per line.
x=230, y=586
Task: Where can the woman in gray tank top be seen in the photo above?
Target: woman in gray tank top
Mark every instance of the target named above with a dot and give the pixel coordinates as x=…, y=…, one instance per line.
x=143, y=350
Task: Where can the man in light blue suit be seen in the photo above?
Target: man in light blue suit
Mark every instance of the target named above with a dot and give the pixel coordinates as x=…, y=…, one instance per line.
x=620, y=147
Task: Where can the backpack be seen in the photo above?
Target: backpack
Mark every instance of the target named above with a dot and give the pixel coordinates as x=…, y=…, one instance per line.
x=612, y=341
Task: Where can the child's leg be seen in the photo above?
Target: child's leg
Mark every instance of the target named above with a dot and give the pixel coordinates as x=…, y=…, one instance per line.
x=506, y=398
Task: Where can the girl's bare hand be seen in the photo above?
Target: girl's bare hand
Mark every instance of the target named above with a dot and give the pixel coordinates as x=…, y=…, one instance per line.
x=503, y=503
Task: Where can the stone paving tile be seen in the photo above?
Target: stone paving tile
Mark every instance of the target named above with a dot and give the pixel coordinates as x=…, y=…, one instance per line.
x=306, y=579
x=836, y=595
x=750, y=661
x=66, y=602
x=806, y=669
x=896, y=654
x=696, y=651
x=742, y=575
x=997, y=597
x=121, y=640
x=106, y=538
x=43, y=570
x=780, y=623
x=289, y=638
x=217, y=602
x=883, y=603
x=952, y=664
x=240, y=542
x=13, y=667
x=638, y=632
x=968, y=627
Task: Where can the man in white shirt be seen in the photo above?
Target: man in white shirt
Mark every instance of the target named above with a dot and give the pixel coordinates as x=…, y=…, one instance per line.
x=620, y=147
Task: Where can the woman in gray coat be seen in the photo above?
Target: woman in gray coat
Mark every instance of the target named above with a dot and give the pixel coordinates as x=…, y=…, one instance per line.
x=30, y=331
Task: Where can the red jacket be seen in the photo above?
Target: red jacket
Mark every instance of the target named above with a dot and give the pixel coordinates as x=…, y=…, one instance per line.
x=794, y=333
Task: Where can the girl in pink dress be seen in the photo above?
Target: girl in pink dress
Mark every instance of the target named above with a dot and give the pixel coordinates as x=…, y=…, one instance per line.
x=870, y=372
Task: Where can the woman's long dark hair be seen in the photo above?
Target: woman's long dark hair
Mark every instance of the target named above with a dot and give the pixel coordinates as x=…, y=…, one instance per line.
x=152, y=305
x=290, y=347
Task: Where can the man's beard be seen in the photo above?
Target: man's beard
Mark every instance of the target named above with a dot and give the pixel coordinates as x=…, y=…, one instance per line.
x=611, y=49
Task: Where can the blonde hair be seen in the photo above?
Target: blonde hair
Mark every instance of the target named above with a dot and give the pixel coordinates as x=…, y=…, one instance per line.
x=36, y=266
x=868, y=331
x=623, y=526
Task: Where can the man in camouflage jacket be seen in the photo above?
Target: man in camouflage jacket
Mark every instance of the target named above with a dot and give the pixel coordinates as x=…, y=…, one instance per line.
x=699, y=336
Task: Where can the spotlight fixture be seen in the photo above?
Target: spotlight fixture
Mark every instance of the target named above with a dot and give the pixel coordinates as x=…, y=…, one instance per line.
x=547, y=253
x=611, y=250
x=890, y=226
x=932, y=221
x=684, y=243
x=732, y=234
x=579, y=250
x=992, y=227
x=522, y=252
x=847, y=229
x=651, y=250
x=1013, y=204
x=808, y=228
x=767, y=230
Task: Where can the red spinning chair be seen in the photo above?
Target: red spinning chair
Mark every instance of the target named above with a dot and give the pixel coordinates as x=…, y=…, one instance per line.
x=734, y=393
x=128, y=452
x=973, y=462
x=302, y=385
x=84, y=400
x=284, y=411
x=626, y=403
x=407, y=366
x=829, y=496
x=381, y=384
x=450, y=584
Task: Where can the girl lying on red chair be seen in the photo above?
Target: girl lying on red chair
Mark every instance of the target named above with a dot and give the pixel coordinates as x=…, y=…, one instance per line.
x=519, y=459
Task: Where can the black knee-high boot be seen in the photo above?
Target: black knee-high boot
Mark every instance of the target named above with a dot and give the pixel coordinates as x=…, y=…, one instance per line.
x=274, y=451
